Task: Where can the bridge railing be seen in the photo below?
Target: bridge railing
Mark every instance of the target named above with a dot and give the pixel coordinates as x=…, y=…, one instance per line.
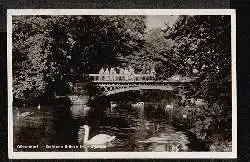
x=112, y=78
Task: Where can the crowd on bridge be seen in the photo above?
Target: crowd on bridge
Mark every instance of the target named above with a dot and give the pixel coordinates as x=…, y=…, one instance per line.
x=120, y=73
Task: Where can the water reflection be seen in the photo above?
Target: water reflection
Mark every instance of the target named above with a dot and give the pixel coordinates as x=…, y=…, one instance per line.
x=140, y=128
x=137, y=127
x=79, y=111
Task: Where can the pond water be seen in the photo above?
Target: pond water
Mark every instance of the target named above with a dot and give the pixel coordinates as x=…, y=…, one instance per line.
x=137, y=128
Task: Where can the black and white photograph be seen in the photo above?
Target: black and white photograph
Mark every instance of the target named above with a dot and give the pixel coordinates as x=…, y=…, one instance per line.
x=122, y=83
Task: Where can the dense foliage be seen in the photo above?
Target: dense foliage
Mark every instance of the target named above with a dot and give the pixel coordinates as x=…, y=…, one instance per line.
x=203, y=48
x=53, y=51
x=29, y=57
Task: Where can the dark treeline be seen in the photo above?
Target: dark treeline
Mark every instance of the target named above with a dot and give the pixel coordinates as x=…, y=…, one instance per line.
x=203, y=45
x=50, y=53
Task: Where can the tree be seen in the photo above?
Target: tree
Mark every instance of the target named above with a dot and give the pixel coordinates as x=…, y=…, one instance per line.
x=29, y=56
x=48, y=50
x=155, y=49
x=204, y=43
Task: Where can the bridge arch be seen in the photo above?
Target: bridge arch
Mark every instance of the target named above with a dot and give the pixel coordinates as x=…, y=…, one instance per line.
x=115, y=89
x=136, y=88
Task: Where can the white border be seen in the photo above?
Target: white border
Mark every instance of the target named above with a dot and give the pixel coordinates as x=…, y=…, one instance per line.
x=120, y=155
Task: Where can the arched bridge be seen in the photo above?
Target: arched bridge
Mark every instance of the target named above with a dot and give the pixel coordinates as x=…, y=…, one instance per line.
x=112, y=84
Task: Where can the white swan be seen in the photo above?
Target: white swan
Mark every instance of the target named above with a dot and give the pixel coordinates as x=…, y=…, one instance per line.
x=23, y=115
x=113, y=105
x=138, y=105
x=39, y=107
x=98, y=141
x=169, y=107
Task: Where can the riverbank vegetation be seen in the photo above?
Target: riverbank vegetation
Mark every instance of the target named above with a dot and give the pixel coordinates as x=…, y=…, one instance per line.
x=52, y=53
x=204, y=46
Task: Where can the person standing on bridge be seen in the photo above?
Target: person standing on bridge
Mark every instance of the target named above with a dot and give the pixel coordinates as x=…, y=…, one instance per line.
x=114, y=75
x=121, y=73
x=101, y=72
x=106, y=74
x=152, y=72
x=112, y=70
x=126, y=73
x=131, y=72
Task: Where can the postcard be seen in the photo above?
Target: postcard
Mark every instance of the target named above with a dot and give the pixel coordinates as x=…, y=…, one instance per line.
x=121, y=83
